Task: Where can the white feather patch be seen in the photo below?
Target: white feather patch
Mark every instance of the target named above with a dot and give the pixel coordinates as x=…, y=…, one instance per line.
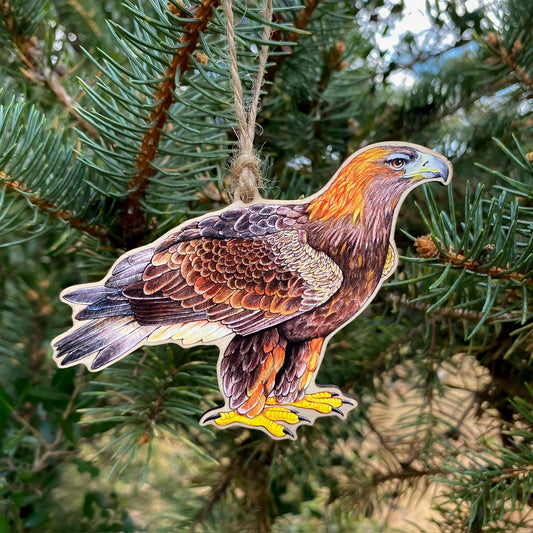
x=191, y=332
x=163, y=333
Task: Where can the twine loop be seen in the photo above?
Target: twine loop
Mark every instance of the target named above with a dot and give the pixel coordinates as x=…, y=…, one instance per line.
x=245, y=167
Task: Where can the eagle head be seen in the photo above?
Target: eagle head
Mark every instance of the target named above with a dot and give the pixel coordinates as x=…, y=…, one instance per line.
x=404, y=162
x=382, y=172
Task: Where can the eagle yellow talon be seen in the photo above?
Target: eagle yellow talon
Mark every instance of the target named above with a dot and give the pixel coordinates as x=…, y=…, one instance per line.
x=269, y=419
x=323, y=402
x=281, y=414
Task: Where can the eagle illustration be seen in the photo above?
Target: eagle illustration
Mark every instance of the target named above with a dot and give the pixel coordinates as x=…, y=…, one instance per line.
x=269, y=283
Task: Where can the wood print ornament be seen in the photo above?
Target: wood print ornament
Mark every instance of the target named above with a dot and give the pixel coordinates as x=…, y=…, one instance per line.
x=268, y=283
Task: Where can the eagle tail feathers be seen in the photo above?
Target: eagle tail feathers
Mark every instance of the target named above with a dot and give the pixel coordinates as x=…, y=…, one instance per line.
x=100, y=342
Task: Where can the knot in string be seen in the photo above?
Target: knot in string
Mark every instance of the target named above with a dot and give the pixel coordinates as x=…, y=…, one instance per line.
x=245, y=167
x=247, y=176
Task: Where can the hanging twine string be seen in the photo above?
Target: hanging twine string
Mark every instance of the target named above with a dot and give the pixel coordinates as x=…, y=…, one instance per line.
x=245, y=166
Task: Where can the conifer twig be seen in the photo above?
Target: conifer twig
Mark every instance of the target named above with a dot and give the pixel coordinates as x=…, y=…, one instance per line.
x=86, y=15
x=446, y=312
x=134, y=218
x=157, y=407
x=215, y=496
x=406, y=473
x=305, y=14
x=427, y=248
x=31, y=55
x=301, y=22
x=509, y=58
x=51, y=208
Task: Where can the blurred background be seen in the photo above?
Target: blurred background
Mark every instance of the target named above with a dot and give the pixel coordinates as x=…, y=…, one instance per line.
x=117, y=124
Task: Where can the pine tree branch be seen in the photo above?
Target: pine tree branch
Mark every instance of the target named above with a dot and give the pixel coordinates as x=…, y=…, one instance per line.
x=447, y=312
x=248, y=474
x=509, y=58
x=48, y=450
x=86, y=15
x=215, y=496
x=424, y=56
x=51, y=208
x=406, y=473
x=134, y=218
x=31, y=55
x=158, y=405
x=382, y=439
x=305, y=15
x=301, y=22
x=427, y=248
x=426, y=115
x=29, y=428
x=516, y=472
x=425, y=119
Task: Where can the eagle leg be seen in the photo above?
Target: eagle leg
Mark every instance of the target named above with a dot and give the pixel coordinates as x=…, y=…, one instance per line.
x=248, y=371
x=301, y=363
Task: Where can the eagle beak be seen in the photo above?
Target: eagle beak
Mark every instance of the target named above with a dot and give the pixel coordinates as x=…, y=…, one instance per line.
x=430, y=167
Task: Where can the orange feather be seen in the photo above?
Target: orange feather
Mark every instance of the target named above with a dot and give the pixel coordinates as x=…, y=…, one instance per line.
x=346, y=195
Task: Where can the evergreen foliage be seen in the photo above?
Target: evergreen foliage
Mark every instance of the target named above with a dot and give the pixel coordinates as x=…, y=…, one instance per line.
x=116, y=124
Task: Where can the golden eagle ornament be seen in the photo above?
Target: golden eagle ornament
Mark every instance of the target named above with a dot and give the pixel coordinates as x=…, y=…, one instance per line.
x=268, y=283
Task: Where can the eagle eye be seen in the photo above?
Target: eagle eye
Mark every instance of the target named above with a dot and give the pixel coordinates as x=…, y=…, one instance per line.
x=397, y=163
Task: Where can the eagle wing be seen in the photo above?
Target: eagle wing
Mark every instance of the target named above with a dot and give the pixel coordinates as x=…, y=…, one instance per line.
x=244, y=283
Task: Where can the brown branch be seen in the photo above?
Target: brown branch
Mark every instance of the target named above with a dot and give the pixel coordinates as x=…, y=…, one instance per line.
x=215, y=496
x=304, y=17
x=134, y=218
x=446, y=312
x=381, y=438
x=427, y=248
x=516, y=472
x=47, y=450
x=51, y=208
x=32, y=56
x=400, y=128
x=87, y=16
x=509, y=58
x=301, y=22
x=405, y=474
x=158, y=405
x=246, y=476
x=54, y=84
x=23, y=422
